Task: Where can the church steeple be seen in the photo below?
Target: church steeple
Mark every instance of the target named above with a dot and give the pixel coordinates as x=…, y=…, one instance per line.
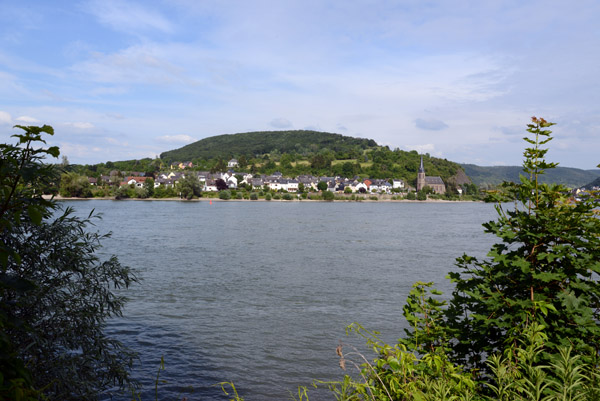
x=421, y=176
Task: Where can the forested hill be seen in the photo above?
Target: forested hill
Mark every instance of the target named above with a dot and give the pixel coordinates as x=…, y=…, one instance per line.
x=486, y=176
x=253, y=144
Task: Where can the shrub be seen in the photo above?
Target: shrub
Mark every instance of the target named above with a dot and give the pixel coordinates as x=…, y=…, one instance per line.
x=253, y=196
x=55, y=292
x=523, y=324
x=268, y=197
x=328, y=195
x=225, y=195
x=287, y=196
x=547, y=261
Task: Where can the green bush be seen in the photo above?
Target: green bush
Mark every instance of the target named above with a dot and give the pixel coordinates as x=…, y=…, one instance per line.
x=548, y=259
x=225, y=195
x=268, y=197
x=287, y=196
x=523, y=324
x=56, y=294
x=253, y=196
x=328, y=195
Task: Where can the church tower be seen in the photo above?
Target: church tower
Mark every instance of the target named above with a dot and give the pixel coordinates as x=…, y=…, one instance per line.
x=421, y=176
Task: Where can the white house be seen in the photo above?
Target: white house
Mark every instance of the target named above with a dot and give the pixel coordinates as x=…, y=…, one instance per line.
x=397, y=184
x=232, y=163
x=210, y=186
x=292, y=186
x=232, y=182
x=361, y=185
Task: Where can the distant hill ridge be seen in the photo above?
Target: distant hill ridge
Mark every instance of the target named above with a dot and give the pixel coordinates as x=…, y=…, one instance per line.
x=493, y=175
x=252, y=144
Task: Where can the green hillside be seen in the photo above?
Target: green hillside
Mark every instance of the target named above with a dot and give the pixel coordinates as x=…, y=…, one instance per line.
x=486, y=176
x=311, y=152
x=595, y=183
x=253, y=144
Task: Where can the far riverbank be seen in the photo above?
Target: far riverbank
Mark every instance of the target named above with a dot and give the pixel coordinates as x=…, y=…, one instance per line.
x=380, y=199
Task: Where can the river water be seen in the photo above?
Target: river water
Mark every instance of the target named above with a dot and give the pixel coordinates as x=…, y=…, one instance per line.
x=260, y=293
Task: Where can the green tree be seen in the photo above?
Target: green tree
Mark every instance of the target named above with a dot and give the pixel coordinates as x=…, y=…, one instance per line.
x=149, y=187
x=56, y=293
x=322, y=186
x=525, y=322
x=320, y=162
x=545, y=268
x=22, y=175
x=243, y=162
x=328, y=195
x=220, y=166
x=74, y=185
x=189, y=186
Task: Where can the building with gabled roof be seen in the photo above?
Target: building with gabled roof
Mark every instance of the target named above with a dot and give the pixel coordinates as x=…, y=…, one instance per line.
x=435, y=183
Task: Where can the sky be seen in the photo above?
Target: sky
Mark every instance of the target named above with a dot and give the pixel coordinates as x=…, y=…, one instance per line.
x=121, y=80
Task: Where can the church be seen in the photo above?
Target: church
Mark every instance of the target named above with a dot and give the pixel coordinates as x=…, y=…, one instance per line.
x=434, y=183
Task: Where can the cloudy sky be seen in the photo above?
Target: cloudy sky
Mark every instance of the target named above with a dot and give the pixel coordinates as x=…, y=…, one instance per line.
x=457, y=79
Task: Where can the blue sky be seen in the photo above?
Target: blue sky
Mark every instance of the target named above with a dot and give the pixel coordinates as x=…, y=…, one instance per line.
x=457, y=79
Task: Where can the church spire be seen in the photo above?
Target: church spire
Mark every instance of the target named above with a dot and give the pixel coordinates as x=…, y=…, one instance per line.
x=421, y=168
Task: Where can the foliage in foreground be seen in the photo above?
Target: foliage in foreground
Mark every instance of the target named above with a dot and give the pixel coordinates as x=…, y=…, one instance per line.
x=55, y=293
x=521, y=325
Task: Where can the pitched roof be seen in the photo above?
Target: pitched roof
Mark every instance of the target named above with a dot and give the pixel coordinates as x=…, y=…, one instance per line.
x=434, y=180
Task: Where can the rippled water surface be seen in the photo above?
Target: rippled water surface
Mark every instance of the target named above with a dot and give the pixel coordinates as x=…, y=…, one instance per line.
x=259, y=293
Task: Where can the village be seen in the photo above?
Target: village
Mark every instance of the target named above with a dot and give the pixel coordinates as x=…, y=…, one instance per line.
x=275, y=182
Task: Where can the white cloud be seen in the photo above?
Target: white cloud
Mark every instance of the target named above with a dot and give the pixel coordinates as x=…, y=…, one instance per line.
x=149, y=63
x=76, y=151
x=128, y=17
x=280, y=123
x=175, y=139
x=430, y=124
x=80, y=125
x=28, y=120
x=5, y=118
x=426, y=148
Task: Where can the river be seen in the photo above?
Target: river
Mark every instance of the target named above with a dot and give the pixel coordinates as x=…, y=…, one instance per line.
x=260, y=293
